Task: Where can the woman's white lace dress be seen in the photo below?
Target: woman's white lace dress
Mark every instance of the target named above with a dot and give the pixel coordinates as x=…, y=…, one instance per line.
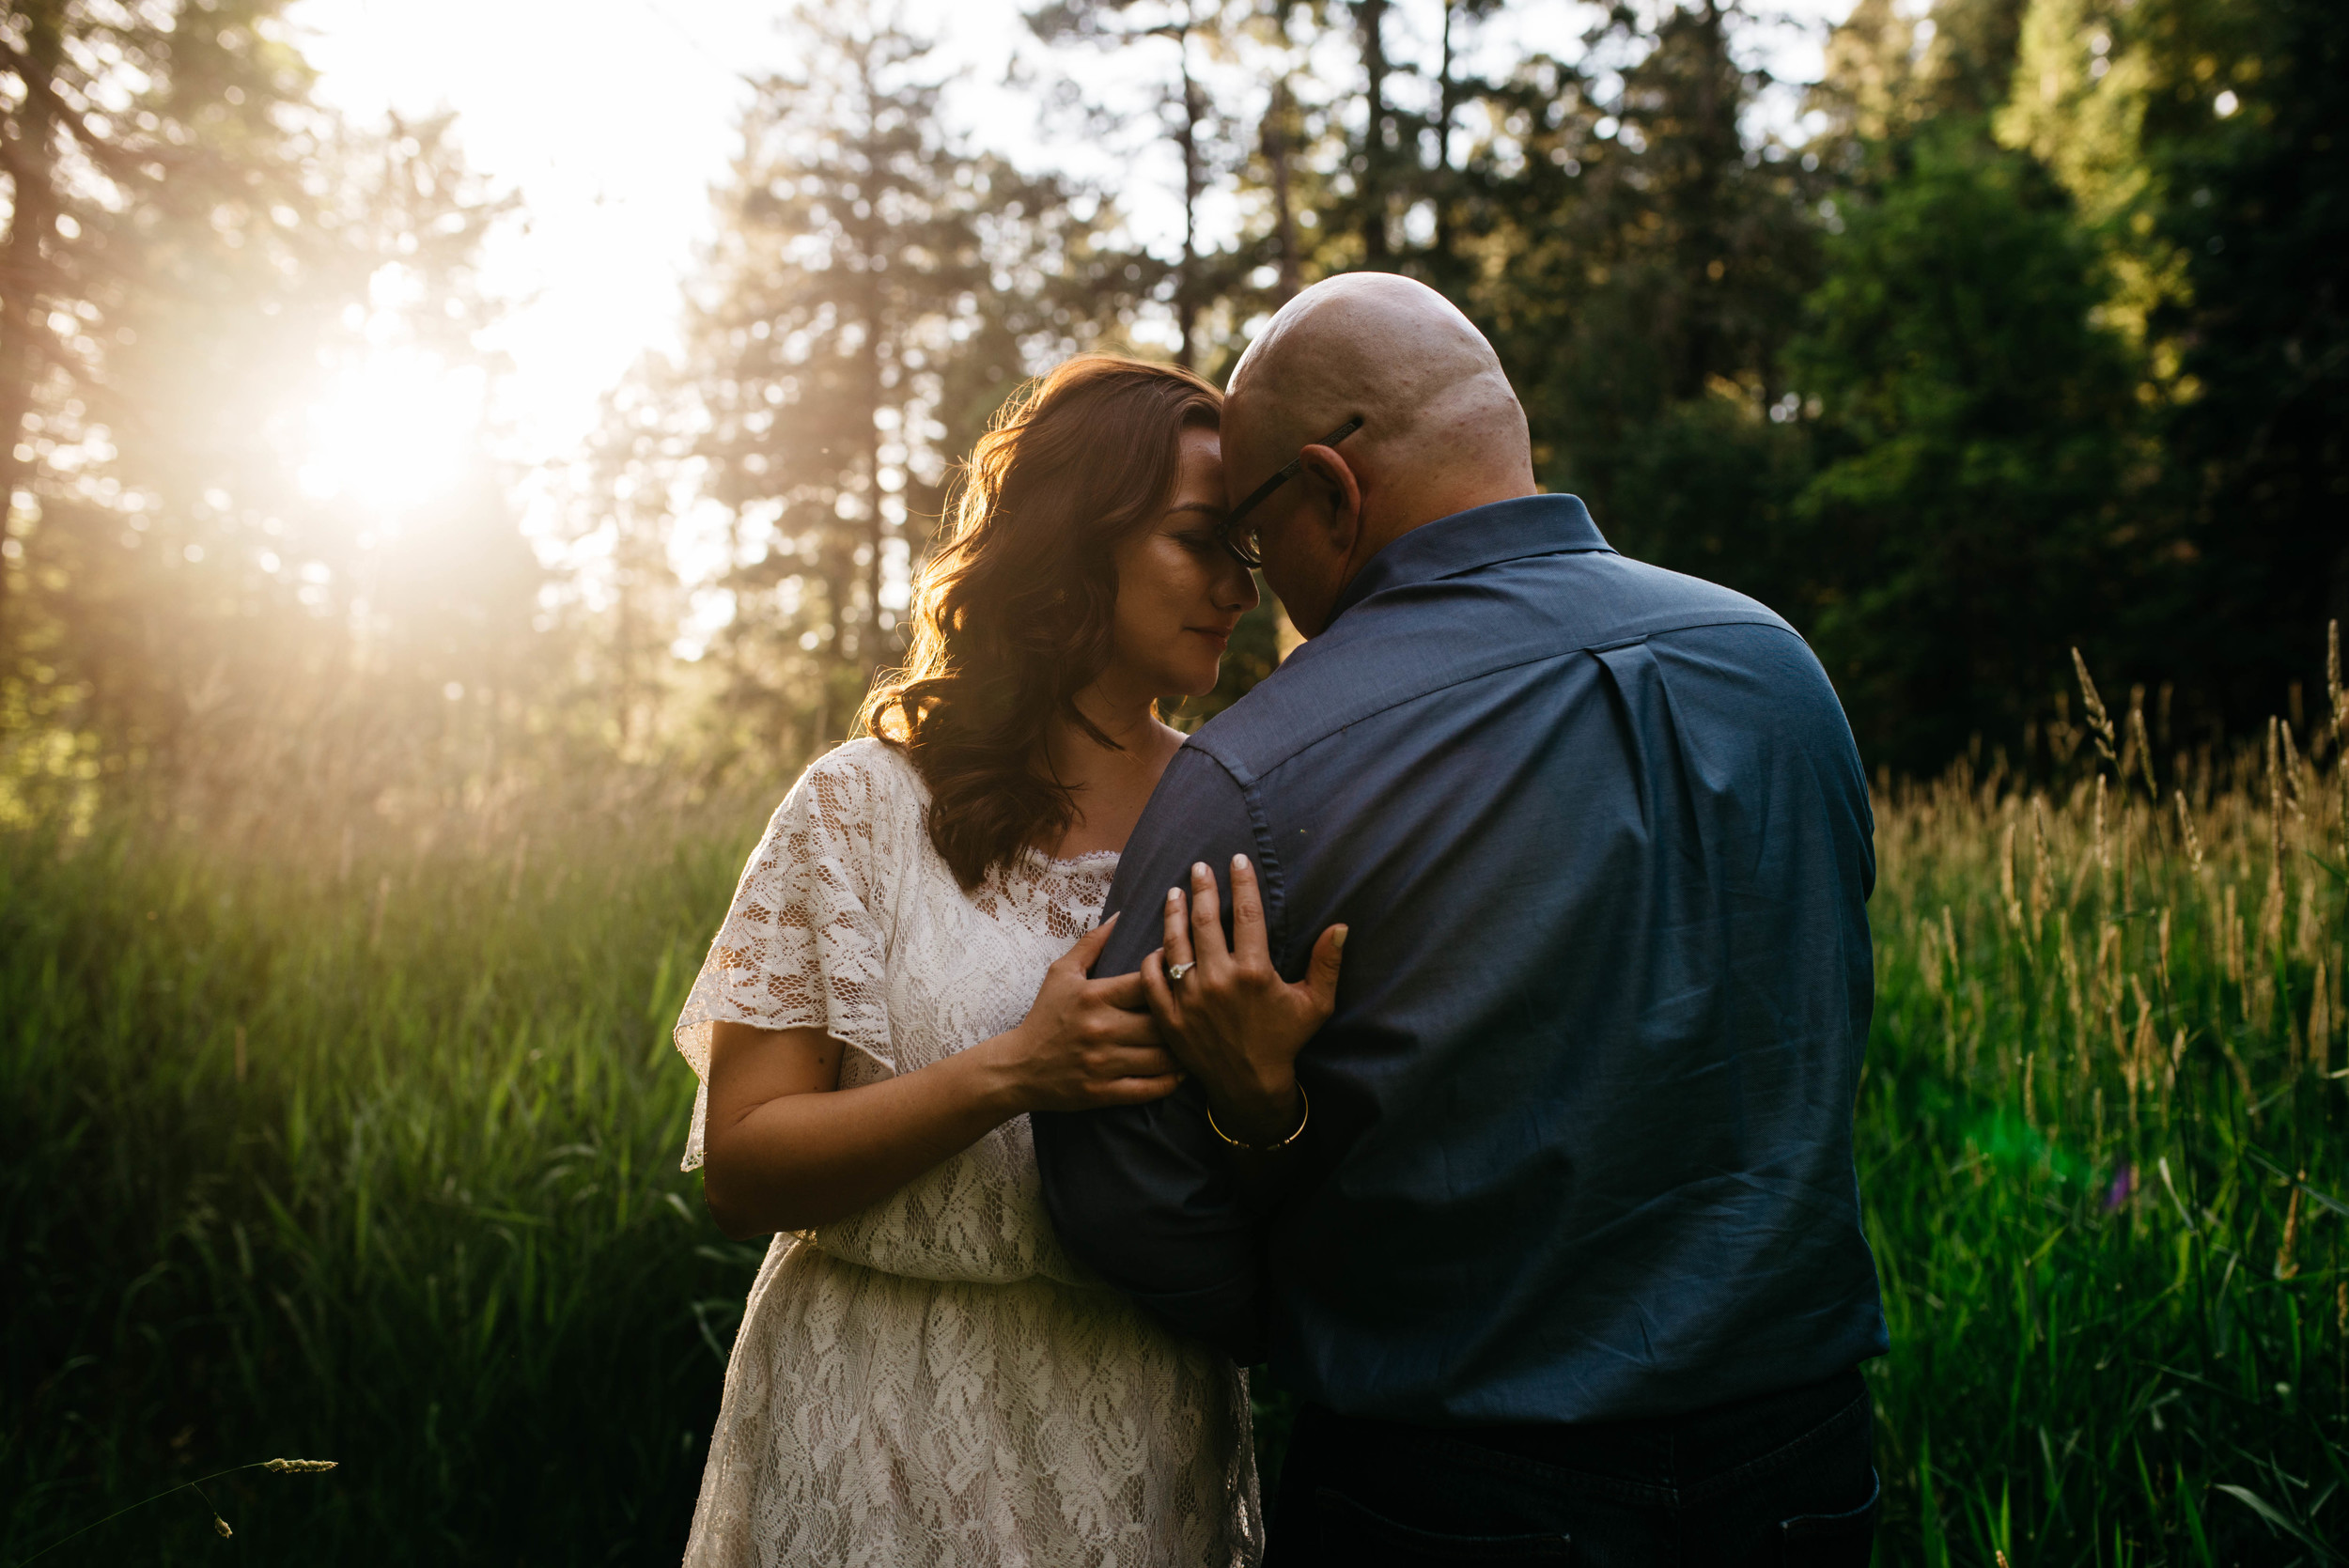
x=933, y=1382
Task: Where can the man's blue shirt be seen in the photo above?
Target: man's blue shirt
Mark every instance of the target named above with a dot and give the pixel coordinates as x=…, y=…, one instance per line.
x=1581, y=1138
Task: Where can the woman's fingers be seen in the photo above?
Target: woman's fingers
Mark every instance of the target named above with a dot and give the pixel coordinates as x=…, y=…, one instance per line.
x=1165, y=1006
x=1206, y=921
x=1248, y=928
x=1118, y=990
x=1136, y=1091
x=1121, y=1026
x=1321, y=975
x=1088, y=949
x=1151, y=1060
x=1176, y=938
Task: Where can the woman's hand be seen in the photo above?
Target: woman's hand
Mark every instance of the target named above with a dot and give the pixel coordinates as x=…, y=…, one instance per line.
x=1231, y=1018
x=789, y=1149
x=1085, y=1043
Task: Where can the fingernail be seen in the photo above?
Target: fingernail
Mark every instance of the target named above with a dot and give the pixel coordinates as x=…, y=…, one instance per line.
x=1174, y=895
x=1239, y=863
x=1199, y=870
x=1337, y=942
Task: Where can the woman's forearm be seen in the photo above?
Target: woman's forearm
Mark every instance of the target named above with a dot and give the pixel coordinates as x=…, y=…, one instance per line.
x=806, y=1159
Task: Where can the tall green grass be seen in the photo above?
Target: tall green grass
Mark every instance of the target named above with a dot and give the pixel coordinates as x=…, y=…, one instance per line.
x=369, y=1153
x=2102, y=1158
x=370, y=1159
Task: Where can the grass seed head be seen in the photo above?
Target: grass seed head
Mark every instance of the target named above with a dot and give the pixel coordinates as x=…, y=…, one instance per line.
x=2332, y=682
x=2099, y=722
x=221, y=1526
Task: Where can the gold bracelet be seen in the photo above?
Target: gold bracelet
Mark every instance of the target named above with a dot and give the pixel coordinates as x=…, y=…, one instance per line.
x=1304, y=1114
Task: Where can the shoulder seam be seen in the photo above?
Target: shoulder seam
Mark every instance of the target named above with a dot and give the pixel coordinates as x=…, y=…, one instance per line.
x=1247, y=778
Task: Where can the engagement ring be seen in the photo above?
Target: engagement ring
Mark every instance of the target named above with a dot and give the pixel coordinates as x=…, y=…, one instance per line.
x=1175, y=972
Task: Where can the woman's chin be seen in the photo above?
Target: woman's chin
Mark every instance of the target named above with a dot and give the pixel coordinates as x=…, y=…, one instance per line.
x=1195, y=681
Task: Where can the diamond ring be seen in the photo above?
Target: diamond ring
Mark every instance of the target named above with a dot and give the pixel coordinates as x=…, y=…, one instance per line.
x=1175, y=972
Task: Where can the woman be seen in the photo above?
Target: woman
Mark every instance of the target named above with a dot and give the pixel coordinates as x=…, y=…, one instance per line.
x=923, y=1376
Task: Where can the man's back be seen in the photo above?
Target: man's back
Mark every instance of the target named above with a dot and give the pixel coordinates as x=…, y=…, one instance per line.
x=1579, y=1142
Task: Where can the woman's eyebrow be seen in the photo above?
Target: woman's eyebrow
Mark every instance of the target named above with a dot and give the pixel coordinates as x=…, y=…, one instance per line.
x=1208, y=506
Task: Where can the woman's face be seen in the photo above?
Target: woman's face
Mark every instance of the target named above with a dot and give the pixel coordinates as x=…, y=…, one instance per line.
x=1179, y=592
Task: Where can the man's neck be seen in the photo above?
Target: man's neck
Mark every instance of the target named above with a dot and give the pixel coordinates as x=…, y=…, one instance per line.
x=1410, y=512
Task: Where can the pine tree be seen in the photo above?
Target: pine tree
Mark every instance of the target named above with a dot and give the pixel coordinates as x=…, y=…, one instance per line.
x=130, y=138
x=875, y=291
x=1974, y=513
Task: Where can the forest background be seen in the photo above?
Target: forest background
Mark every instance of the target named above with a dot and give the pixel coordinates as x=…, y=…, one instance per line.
x=2018, y=331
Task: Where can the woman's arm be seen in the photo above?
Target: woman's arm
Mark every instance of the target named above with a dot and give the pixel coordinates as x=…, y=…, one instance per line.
x=787, y=1149
x=1231, y=1018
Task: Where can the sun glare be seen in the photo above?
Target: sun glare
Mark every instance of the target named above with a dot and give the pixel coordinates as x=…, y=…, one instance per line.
x=393, y=431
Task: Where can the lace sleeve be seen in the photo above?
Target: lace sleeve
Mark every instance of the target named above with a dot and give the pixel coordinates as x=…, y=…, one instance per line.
x=804, y=942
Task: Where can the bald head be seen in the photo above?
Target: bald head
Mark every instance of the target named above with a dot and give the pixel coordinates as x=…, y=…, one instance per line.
x=1441, y=430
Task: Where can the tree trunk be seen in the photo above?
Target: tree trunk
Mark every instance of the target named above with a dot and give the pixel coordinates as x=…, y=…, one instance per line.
x=1371, y=17
x=1716, y=145
x=30, y=155
x=1276, y=151
x=1186, y=277
x=1445, y=106
x=868, y=651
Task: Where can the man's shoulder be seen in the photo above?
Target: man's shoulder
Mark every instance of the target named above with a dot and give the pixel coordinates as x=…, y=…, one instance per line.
x=1419, y=639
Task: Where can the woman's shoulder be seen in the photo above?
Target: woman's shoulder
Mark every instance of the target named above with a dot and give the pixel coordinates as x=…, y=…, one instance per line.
x=865, y=782
x=870, y=764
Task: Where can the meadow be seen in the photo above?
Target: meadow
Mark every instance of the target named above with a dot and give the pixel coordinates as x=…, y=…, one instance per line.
x=362, y=1145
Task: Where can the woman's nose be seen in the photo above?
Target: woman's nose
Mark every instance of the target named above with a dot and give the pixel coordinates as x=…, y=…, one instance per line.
x=1238, y=592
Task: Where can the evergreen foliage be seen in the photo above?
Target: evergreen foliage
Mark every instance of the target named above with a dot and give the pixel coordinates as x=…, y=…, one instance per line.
x=1969, y=509
x=354, y=849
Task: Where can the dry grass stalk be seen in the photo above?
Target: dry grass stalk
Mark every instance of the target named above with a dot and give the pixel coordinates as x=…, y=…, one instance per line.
x=2137, y=1064
x=2320, y=1020
x=2043, y=870
x=2103, y=847
x=2185, y=831
x=2272, y=906
x=283, y=1466
x=2332, y=683
x=2285, y=1267
x=2141, y=746
x=2229, y=936
x=2294, y=793
x=2006, y=881
x=2099, y=722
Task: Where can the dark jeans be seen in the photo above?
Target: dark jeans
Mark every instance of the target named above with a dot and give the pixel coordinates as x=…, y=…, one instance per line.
x=1781, y=1479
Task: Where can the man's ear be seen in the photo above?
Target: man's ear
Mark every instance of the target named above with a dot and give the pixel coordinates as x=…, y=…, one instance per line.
x=1341, y=496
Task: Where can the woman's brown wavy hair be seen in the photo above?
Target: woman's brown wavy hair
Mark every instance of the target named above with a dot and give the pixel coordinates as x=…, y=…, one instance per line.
x=1012, y=615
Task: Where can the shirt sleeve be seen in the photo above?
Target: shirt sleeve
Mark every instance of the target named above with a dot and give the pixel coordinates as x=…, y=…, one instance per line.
x=802, y=945
x=1144, y=1194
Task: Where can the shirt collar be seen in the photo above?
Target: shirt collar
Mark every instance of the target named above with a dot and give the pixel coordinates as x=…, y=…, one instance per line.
x=1480, y=537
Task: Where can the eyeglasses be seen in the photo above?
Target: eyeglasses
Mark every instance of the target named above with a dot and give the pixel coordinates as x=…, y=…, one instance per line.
x=1240, y=537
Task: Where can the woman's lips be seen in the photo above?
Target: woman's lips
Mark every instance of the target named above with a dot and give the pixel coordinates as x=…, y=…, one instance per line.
x=1221, y=639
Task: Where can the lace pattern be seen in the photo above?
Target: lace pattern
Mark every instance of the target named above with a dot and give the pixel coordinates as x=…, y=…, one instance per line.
x=934, y=1381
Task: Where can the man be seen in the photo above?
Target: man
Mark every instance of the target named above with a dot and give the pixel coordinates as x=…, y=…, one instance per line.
x=1553, y=1228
